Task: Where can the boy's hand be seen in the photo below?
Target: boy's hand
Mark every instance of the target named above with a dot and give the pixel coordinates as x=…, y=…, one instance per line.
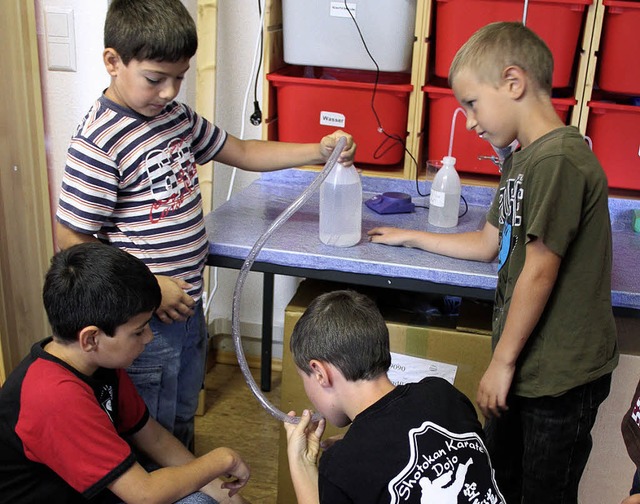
x=176, y=304
x=328, y=143
x=388, y=236
x=234, y=485
x=217, y=490
x=236, y=478
x=303, y=439
x=494, y=387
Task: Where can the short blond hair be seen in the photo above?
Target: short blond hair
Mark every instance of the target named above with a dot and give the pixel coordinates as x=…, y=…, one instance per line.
x=496, y=46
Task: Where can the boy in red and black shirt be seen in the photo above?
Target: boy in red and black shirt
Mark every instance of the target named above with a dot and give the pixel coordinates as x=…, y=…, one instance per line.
x=69, y=414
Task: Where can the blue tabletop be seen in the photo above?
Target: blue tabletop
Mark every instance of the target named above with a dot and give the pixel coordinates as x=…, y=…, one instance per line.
x=235, y=226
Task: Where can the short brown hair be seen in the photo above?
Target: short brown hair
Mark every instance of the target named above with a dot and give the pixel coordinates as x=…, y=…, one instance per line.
x=158, y=30
x=498, y=45
x=346, y=329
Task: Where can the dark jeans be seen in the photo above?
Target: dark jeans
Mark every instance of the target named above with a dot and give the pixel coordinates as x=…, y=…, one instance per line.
x=540, y=446
x=635, y=486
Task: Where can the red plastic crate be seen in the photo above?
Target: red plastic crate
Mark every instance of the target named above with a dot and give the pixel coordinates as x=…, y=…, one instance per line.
x=614, y=130
x=619, y=58
x=467, y=145
x=312, y=106
x=557, y=22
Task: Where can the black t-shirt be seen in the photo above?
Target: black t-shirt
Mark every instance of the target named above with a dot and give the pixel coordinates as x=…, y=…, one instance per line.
x=631, y=428
x=420, y=443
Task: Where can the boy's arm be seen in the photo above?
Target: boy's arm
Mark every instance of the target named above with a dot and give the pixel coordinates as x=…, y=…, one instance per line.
x=181, y=473
x=259, y=155
x=67, y=237
x=530, y=296
x=176, y=303
x=475, y=245
x=303, y=449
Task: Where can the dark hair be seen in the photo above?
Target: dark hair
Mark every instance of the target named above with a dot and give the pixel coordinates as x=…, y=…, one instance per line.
x=343, y=328
x=96, y=284
x=498, y=45
x=160, y=30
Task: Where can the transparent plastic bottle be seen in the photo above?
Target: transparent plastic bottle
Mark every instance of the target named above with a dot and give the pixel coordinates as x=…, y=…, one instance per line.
x=444, y=201
x=341, y=207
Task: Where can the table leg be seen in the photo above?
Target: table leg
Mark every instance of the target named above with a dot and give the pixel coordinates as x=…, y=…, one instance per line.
x=267, y=331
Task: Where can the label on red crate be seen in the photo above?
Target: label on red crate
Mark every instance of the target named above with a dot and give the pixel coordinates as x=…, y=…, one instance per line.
x=338, y=9
x=335, y=119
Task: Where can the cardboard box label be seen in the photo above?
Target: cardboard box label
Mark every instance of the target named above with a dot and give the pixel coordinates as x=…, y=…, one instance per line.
x=409, y=369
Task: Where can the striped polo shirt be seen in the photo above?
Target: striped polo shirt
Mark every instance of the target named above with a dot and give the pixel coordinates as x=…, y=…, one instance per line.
x=132, y=181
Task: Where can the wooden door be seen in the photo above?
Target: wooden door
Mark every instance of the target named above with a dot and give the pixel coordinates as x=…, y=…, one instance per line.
x=26, y=243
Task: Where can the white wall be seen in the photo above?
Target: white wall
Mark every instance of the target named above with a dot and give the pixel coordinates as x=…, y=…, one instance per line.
x=68, y=95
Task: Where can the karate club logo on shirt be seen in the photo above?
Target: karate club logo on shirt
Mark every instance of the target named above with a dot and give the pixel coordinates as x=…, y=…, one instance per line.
x=445, y=468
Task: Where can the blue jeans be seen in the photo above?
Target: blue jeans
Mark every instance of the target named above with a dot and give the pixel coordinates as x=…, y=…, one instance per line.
x=539, y=447
x=194, y=498
x=197, y=498
x=169, y=374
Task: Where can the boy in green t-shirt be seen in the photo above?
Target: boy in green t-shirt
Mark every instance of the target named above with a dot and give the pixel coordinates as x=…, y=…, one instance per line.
x=554, y=332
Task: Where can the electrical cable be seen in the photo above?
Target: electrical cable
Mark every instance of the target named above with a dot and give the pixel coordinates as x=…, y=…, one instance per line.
x=377, y=154
x=208, y=297
x=256, y=117
x=246, y=95
x=397, y=138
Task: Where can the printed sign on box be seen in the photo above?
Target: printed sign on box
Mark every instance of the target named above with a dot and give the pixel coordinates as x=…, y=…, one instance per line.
x=409, y=369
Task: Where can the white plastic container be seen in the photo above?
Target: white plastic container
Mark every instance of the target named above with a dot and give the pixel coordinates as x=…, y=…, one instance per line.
x=341, y=207
x=322, y=33
x=444, y=201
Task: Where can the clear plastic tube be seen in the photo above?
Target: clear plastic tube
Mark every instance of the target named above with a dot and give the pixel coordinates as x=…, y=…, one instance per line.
x=453, y=128
x=244, y=271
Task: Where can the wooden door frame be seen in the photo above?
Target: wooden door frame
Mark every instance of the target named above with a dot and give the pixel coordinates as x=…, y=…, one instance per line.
x=26, y=242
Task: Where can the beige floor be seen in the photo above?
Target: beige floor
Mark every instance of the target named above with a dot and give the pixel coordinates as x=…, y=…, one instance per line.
x=233, y=417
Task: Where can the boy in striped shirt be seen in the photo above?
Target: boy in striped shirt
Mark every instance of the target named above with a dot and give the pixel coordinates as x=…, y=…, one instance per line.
x=131, y=181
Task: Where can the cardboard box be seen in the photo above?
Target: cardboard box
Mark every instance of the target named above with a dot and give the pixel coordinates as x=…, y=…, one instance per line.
x=468, y=350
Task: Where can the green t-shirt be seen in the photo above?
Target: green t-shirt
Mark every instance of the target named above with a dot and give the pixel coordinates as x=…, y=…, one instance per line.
x=555, y=190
